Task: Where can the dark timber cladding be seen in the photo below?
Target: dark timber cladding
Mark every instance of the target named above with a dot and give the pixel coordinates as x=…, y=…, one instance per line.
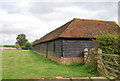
x=70, y=39
x=75, y=47
x=49, y=48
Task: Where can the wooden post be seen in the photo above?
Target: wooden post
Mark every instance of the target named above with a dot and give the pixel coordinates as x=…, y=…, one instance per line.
x=99, y=51
x=85, y=54
x=47, y=50
x=92, y=57
x=99, y=61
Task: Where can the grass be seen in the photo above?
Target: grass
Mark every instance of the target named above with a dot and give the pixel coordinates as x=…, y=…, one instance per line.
x=23, y=64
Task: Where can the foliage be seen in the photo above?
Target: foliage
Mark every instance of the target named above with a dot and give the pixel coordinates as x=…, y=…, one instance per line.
x=109, y=43
x=17, y=46
x=21, y=39
x=23, y=47
x=8, y=45
x=28, y=45
x=35, y=66
x=23, y=42
x=35, y=41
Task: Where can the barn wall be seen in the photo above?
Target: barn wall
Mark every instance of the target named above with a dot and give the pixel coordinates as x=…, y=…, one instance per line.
x=42, y=48
x=36, y=48
x=66, y=51
x=54, y=48
x=75, y=48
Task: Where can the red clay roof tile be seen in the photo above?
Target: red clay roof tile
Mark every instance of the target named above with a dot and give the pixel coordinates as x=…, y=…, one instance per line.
x=81, y=28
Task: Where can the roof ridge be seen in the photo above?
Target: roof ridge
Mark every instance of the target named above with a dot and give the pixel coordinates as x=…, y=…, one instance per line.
x=67, y=27
x=94, y=20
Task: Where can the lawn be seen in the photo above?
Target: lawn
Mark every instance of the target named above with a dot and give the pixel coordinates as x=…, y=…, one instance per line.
x=25, y=64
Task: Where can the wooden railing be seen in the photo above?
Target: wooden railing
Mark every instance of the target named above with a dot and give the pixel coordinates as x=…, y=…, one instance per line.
x=107, y=64
x=90, y=57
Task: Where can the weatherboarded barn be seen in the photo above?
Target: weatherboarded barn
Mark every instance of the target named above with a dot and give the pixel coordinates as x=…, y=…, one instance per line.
x=67, y=43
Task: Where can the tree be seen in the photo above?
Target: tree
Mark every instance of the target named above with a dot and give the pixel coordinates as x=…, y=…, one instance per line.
x=8, y=45
x=17, y=46
x=21, y=39
x=35, y=41
x=28, y=45
x=109, y=43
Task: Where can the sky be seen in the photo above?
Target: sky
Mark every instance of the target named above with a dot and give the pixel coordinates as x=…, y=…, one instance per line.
x=35, y=18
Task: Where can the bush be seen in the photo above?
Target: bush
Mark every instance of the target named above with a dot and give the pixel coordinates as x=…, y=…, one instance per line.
x=8, y=45
x=23, y=47
x=28, y=45
x=109, y=43
x=17, y=46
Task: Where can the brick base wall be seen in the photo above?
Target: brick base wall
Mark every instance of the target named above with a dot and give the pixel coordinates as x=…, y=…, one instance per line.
x=70, y=60
x=40, y=53
x=64, y=60
x=54, y=58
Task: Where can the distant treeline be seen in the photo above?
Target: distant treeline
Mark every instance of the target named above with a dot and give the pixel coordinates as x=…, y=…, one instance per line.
x=8, y=45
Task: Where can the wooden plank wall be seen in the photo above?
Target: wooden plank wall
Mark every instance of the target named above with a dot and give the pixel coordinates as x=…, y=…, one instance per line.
x=75, y=48
x=48, y=47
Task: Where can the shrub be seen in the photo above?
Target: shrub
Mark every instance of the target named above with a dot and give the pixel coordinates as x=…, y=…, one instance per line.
x=23, y=47
x=28, y=45
x=109, y=43
x=17, y=46
x=8, y=45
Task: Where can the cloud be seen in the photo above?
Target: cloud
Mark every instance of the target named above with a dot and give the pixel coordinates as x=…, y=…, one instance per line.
x=119, y=13
x=16, y=23
x=8, y=39
x=37, y=18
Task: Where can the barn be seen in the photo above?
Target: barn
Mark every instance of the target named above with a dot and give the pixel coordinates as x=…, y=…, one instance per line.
x=67, y=43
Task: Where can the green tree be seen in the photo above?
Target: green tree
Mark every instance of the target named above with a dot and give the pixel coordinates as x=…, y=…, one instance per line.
x=8, y=45
x=21, y=39
x=28, y=45
x=17, y=46
x=35, y=41
x=109, y=43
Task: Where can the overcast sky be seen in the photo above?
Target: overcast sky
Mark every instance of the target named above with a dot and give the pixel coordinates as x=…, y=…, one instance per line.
x=35, y=18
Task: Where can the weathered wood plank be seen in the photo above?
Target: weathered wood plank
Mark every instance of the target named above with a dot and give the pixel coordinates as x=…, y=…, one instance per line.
x=107, y=64
x=112, y=63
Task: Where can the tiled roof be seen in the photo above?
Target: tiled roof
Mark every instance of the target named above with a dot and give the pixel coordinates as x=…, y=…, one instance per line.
x=81, y=28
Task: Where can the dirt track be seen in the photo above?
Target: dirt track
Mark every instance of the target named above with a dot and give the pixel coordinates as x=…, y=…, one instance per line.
x=7, y=48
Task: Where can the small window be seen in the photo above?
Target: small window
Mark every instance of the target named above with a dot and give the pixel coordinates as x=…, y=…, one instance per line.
x=53, y=47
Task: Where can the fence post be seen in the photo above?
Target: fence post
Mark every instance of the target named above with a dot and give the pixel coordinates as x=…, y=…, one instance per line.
x=99, y=51
x=99, y=61
x=85, y=54
x=92, y=57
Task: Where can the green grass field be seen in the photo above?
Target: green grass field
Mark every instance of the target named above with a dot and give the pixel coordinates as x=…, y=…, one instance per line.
x=28, y=65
